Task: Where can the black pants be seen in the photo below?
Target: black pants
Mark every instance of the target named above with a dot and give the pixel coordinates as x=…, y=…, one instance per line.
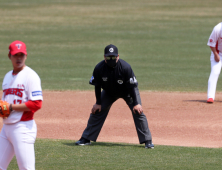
x=97, y=120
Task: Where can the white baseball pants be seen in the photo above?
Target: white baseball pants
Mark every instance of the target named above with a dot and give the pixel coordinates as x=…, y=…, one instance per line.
x=18, y=139
x=215, y=72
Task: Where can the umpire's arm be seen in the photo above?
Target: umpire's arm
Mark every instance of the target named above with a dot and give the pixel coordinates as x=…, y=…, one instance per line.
x=137, y=108
x=97, y=106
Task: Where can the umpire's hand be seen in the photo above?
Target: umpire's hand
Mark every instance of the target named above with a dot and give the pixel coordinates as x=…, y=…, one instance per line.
x=138, y=109
x=95, y=108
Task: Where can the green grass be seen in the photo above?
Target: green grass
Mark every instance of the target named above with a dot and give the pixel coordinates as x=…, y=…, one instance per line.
x=164, y=41
x=63, y=154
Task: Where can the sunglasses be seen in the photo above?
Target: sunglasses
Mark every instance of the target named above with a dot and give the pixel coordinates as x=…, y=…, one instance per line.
x=112, y=57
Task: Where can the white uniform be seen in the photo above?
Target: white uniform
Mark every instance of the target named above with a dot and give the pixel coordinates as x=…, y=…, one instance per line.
x=215, y=40
x=19, y=131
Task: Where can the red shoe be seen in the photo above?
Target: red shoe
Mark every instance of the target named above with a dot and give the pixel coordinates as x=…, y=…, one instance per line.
x=210, y=100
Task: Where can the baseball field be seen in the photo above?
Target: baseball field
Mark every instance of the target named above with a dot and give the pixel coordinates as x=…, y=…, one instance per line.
x=164, y=42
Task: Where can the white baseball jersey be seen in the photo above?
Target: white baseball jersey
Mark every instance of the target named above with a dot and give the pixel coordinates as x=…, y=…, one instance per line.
x=215, y=39
x=20, y=88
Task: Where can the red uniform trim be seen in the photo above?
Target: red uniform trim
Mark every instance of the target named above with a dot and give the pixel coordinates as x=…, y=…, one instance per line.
x=217, y=47
x=33, y=106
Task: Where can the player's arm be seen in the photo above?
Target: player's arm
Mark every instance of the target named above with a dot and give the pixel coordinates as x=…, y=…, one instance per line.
x=27, y=106
x=216, y=55
x=19, y=107
x=213, y=40
x=34, y=91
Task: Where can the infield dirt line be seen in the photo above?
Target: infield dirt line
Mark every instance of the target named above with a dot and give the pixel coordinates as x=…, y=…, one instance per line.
x=175, y=118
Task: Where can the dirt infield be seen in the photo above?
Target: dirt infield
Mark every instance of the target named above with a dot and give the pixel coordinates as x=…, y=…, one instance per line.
x=181, y=119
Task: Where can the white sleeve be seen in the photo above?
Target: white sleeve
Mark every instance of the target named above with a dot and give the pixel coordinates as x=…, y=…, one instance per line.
x=34, y=88
x=215, y=35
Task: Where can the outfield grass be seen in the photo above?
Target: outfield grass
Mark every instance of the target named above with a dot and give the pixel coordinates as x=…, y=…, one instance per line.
x=164, y=41
x=63, y=154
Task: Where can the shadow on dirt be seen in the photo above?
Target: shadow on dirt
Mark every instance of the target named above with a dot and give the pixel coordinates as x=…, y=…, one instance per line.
x=201, y=101
x=105, y=144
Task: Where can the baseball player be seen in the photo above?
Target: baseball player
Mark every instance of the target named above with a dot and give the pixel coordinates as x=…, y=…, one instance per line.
x=115, y=76
x=215, y=43
x=22, y=90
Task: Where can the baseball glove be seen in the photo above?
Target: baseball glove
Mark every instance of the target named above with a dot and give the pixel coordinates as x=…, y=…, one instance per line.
x=4, y=109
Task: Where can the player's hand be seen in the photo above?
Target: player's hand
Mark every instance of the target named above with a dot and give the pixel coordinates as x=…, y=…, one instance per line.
x=216, y=57
x=138, y=109
x=95, y=108
x=5, y=109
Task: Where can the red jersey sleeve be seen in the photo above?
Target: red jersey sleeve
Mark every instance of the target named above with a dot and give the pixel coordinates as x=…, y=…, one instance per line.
x=33, y=106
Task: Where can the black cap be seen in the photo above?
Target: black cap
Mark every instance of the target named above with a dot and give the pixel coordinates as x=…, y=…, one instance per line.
x=111, y=50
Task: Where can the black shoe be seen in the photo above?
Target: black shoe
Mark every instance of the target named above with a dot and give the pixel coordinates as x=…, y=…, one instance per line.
x=149, y=144
x=83, y=141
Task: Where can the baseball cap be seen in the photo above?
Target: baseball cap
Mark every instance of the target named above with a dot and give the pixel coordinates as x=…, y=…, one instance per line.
x=111, y=50
x=17, y=47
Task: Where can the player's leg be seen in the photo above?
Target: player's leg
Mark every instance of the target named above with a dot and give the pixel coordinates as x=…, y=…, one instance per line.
x=23, y=139
x=97, y=120
x=6, y=150
x=212, y=82
x=140, y=121
x=25, y=156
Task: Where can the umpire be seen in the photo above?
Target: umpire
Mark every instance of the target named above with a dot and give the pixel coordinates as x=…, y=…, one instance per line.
x=116, y=78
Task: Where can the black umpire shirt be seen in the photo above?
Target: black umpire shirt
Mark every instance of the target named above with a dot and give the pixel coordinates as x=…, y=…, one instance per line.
x=115, y=81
